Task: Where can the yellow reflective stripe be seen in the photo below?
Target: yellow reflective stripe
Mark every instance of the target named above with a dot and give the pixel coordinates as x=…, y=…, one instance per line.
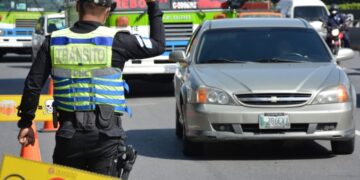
x=110, y=97
x=71, y=95
x=75, y=95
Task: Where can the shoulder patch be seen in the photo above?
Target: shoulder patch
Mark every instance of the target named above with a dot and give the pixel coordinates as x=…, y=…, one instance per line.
x=148, y=43
x=144, y=41
x=140, y=41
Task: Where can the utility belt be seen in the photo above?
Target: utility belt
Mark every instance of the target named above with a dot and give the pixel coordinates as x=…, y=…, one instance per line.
x=104, y=119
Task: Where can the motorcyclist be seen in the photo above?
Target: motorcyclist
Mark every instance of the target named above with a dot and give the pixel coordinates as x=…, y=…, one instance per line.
x=336, y=20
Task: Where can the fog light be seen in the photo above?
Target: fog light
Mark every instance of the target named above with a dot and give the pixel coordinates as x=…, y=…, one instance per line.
x=326, y=126
x=223, y=127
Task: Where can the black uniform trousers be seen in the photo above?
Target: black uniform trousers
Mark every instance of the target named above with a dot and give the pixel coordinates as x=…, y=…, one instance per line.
x=89, y=140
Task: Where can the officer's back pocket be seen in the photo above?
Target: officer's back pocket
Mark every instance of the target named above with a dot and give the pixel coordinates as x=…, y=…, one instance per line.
x=107, y=122
x=66, y=130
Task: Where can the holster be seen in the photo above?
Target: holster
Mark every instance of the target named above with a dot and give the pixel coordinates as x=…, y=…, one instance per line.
x=125, y=161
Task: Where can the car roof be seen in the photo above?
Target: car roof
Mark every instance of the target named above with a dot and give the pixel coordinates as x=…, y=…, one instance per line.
x=257, y=23
x=57, y=15
x=260, y=13
x=306, y=2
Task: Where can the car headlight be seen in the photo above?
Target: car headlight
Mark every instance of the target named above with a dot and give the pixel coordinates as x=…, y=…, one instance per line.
x=205, y=95
x=337, y=94
x=1, y=32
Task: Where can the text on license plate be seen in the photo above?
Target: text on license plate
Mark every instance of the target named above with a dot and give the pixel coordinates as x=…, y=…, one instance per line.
x=274, y=121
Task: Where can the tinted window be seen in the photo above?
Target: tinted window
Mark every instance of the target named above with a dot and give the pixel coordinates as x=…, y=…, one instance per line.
x=257, y=44
x=310, y=13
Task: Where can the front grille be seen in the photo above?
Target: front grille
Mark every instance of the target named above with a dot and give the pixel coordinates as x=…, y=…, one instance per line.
x=23, y=33
x=177, y=35
x=25, y=23
x=254, y=128
x=273, y=99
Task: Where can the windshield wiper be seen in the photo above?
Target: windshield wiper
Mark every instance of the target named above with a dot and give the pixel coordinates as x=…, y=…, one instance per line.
x=222, y=60
x=277, y=60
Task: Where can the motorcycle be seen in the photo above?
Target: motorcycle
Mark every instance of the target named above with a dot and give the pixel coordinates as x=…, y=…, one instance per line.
x=337, y=41
x=335, y=38
x=335, y=35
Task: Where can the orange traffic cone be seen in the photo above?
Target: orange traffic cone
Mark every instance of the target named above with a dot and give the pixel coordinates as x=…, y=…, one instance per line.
x=48, y=125
x=32, y=152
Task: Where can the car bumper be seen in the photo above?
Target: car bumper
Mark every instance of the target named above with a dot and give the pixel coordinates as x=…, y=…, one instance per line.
x=156, y=65
x=11, y=42
x=201, y=120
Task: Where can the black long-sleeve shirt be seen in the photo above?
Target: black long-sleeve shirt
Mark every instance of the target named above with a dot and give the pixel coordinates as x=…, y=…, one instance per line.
x=125, y=46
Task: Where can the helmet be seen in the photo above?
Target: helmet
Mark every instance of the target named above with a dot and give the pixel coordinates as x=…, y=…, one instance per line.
x=334, y=9
x=107, y=3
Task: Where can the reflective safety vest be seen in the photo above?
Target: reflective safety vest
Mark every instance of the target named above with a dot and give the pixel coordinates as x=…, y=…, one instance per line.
x=82, y=72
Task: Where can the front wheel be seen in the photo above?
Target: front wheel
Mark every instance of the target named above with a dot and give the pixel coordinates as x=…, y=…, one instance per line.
x=2, y=54
x=343, y=147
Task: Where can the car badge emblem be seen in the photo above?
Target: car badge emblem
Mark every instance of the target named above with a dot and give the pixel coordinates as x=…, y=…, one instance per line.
x=274, y=99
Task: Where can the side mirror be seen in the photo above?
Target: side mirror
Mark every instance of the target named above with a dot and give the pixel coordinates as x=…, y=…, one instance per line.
x=178, y=56
x=344, y=54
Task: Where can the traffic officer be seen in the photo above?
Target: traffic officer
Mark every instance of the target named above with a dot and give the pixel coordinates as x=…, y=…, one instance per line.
x=85, y=62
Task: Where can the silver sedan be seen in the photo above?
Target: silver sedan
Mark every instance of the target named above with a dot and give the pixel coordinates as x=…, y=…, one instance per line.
x=262, y=79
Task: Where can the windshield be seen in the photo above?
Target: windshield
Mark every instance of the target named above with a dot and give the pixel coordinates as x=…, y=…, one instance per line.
x=170, y=4
x=310, y=13
x=262, y=45
x=31, y=5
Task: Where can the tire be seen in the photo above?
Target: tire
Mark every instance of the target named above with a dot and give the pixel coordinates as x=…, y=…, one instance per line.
x=2, y=54
x=178, y=125
x=343, y=147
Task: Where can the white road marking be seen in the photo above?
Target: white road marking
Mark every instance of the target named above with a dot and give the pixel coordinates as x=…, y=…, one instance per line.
x=357, y=132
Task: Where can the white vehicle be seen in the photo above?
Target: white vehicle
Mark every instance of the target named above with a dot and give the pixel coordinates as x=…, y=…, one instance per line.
x=314, y=11
x=45, y=25
x=181, y=18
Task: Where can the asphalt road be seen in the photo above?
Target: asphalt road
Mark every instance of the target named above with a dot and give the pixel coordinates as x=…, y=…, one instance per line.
x=151, y=131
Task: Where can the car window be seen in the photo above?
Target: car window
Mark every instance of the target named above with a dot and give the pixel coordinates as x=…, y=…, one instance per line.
x=254, y=44
x=193, y=41
x=55, y=24
x=310, y=13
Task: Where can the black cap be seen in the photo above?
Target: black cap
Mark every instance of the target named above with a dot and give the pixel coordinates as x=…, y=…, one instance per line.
x=107, y=3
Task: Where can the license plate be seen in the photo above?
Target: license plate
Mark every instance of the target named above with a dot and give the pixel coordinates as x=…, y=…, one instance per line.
x=274, y=121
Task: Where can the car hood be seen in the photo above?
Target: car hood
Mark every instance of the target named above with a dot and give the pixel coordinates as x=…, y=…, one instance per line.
x=258, y=78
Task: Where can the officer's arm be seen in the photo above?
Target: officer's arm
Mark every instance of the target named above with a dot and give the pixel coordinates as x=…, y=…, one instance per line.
x=137, y=47
x=39, y=73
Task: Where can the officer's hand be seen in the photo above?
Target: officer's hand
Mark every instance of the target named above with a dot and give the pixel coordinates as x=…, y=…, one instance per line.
x=26, y=136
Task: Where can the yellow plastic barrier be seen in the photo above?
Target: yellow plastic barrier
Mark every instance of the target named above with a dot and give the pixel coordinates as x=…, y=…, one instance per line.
x=15, y=168
x=10, y=103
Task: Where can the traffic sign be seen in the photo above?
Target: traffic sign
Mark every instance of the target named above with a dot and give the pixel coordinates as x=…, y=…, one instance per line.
x=21, y=169
x=9, y=106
